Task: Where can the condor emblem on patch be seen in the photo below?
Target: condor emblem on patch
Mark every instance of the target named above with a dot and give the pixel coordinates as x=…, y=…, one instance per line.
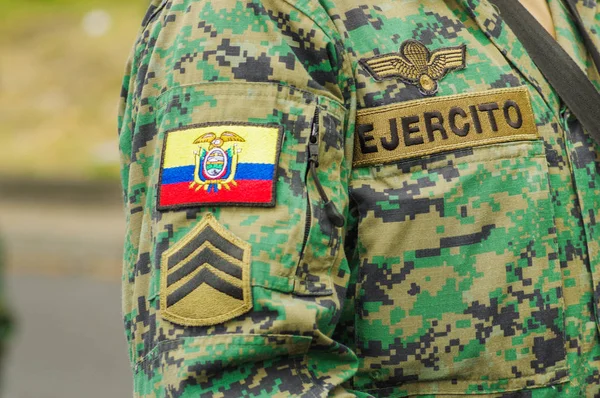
x=224, y=164
x=205, y=277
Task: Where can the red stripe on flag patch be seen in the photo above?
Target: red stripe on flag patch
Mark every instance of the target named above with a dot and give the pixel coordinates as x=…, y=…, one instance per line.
x=247, y=192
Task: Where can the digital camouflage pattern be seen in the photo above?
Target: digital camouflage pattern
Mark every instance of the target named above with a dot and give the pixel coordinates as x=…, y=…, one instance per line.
x=472, y=271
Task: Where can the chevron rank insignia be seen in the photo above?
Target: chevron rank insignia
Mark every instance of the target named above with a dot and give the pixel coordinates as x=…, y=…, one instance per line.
x=416, y=65
x=205, y=277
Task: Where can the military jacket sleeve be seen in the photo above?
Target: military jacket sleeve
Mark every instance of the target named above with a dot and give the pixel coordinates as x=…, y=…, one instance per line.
x=356, y=198
x=234, y=136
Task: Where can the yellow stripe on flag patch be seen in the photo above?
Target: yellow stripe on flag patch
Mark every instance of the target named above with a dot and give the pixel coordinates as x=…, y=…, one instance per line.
x=181, y=144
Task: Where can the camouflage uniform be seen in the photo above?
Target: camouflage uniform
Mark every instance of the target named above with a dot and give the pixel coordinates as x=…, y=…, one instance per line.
x=303, y=223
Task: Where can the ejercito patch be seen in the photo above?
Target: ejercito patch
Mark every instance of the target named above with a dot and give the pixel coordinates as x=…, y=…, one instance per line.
x=223, y=164
x=205, y=277
x=424, y=127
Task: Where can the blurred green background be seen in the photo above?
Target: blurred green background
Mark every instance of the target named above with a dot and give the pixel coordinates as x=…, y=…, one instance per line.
x=61, y=67
x=61, y=218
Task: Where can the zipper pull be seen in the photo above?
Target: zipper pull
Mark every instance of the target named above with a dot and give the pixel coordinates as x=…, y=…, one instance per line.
x=333, y=214
x=566, y=119
x=313, y=140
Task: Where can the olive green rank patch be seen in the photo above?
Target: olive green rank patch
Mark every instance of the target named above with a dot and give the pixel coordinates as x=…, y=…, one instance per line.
x=424, y=127
x=205, y=277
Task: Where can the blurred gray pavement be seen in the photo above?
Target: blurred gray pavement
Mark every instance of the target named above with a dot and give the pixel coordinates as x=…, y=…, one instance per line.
x=69, y=340
x=62, y=229
x=63, y=246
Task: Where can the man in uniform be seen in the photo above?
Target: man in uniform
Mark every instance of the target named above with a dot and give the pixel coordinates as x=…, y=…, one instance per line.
x=357, y=199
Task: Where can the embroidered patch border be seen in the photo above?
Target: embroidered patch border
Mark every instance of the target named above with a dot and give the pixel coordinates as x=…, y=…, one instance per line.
x=219, y=164
x=416, y=65
x=209, y=255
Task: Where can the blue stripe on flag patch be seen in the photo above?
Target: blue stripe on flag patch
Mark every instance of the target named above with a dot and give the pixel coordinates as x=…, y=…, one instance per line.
x=245, y=171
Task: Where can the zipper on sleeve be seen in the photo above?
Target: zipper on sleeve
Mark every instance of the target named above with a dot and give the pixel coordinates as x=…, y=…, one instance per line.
x=333, y=214
x=313, y=162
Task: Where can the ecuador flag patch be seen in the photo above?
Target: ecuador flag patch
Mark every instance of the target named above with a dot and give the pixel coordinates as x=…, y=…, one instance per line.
x=225, y=164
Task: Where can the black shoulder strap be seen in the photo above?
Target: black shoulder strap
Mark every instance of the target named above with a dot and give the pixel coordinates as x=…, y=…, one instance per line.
x=571, y=84
x=589, y=44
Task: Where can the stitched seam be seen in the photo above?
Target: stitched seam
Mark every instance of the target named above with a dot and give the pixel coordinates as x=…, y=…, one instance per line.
x=287, y=338
x=384, y=159
x=454, y=163
x=425, y=102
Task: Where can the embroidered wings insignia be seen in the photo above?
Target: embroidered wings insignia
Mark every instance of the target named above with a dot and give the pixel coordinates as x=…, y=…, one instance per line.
x=416, y=65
